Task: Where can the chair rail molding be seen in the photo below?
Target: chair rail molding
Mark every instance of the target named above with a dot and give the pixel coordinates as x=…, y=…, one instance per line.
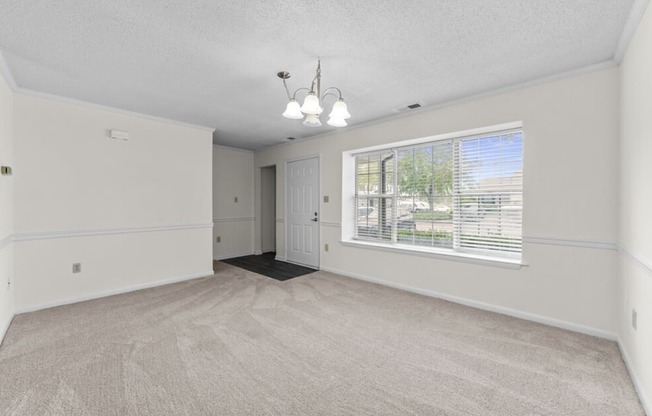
x=49, y=235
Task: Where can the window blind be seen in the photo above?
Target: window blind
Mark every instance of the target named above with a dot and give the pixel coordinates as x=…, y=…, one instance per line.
x=488, y=193
x=462, y=194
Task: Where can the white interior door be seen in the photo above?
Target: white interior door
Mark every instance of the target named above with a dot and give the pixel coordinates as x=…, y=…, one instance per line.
x=302, y=212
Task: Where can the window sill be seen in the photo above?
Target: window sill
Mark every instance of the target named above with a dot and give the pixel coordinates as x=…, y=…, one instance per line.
x=437, y=254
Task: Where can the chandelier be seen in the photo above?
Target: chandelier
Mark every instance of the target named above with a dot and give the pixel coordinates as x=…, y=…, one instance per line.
x=312, y=104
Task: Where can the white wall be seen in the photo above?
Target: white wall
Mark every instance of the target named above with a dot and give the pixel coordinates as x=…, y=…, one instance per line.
x=134, y=213
x=233, y=177
x=570, y=191
x=6, y=208
x=636, y=207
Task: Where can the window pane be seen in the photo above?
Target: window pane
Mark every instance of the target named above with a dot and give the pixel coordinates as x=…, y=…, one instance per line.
x=374, y=173
x=489, y=193
x=442, y=167
x=373, y=218
x=425, y=178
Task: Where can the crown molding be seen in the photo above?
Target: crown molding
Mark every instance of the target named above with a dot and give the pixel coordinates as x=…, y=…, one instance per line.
x=81, y=103
x=633, y=20
x=5, y=73
x=9, y=79
x=233, y=149
x=457, y=101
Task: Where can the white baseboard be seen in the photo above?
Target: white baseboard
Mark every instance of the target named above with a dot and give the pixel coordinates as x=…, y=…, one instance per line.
x=5, y=328
x=485, y=306
x=645, y=401
x=230, y=256
x=111, y=292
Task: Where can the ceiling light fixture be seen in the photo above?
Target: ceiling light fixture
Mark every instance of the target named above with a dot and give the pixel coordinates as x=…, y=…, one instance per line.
x=312, y=104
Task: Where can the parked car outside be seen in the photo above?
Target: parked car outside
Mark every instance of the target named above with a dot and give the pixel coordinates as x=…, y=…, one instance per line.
x=369, y=224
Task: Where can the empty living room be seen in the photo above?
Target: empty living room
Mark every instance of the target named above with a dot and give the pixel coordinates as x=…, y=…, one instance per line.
x=326, y=208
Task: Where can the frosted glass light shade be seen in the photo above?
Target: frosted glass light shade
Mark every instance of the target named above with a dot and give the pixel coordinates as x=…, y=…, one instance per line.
x=293, y=110
x=336, y=122
x=311, y=104
x=312, y=120
x=340, y=110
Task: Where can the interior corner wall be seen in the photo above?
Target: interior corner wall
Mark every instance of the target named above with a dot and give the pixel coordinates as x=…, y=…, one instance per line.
x=635, y=239
x=570, y=203
x=134, y=213
x=233, y=202
x=6, y=209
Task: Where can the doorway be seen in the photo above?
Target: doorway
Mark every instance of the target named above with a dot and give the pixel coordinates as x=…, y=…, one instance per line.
x=268, y=209
x=302, y=212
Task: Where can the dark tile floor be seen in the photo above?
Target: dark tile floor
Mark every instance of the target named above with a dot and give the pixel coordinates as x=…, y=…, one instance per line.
x=267, y=265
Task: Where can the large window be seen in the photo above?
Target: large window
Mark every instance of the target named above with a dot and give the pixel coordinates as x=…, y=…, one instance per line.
x=458, y=195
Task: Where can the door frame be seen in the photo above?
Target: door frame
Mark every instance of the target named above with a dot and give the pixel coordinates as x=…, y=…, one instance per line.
x=285, y=205
x=275, y=219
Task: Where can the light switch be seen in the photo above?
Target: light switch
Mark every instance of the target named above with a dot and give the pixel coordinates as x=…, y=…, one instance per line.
x=326, y=198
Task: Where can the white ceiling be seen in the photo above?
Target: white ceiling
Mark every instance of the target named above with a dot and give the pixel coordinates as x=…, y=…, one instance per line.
x=214, y=63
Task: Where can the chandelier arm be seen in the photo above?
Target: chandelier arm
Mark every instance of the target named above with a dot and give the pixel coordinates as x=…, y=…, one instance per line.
x=314, y=80
x=294, y=96
x=287, y=90
x=326, y=92
x=317, y=77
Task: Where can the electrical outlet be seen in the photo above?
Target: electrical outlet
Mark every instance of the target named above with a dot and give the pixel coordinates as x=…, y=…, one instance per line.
x=326, y=198
x=634, y=318
x=218, y=239
x=76, y=267
x=325, y=247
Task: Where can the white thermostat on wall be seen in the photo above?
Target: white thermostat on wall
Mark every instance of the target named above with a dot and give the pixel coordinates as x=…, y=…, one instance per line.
x=118, y=135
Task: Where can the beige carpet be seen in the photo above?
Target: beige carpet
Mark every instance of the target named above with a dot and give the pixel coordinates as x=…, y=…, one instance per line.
x=241, y=344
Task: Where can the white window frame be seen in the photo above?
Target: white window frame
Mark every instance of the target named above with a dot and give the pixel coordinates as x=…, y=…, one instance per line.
x=348, y=204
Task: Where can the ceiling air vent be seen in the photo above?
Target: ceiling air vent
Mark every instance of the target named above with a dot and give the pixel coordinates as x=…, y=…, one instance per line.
x=408, y=108
x=291, y=138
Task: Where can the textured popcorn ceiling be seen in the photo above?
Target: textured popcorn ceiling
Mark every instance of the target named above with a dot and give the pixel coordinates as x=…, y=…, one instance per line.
x=214, y=63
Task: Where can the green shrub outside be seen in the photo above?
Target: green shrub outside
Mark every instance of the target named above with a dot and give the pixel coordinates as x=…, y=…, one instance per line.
x=436, y=234
x=432, y=216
